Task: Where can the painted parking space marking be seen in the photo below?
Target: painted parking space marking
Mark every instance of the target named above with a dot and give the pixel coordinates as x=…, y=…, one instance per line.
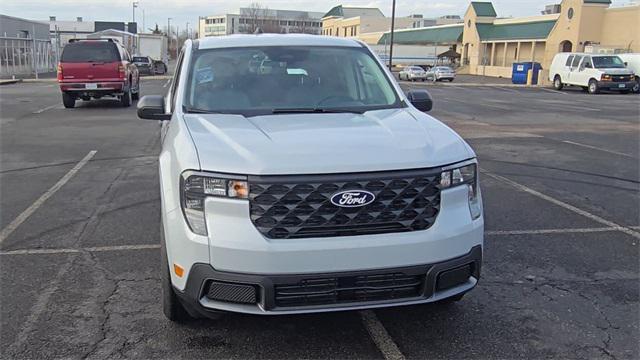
x=36, y=204
x=81, y=250
x=40, y=111
x=166, y=83
x=597, y=148
x=564, y=205
x=380, y=336
x=551, y=231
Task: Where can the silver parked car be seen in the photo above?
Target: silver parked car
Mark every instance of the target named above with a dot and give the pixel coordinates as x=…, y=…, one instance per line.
x=438, y=73
x=413, y=73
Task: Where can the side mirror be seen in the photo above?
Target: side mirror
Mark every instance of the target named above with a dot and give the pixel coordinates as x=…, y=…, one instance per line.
x=421, y=99
x=152, y=107
x=626, y=63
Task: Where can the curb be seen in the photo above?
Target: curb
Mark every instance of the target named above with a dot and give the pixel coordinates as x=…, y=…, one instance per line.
x=430, y=83
x=10, y=81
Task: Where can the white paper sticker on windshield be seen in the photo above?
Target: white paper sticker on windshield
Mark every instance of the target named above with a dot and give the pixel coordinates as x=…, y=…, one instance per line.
x=204, y=75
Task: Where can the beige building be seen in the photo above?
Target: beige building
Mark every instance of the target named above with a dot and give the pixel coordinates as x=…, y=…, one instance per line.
x=347, y=21
x=489, y=45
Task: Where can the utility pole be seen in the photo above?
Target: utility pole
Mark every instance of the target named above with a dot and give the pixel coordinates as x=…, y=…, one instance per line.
x=135, y=5
x=143, y=28
x=393, y=25
x=187, y=30
x=169, y=36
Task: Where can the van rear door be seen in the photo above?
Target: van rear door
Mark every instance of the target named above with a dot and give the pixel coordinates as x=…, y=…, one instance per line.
x=90, y=61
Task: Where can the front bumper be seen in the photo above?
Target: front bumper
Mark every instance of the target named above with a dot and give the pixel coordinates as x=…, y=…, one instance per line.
x=259, y=294
x=616, y=86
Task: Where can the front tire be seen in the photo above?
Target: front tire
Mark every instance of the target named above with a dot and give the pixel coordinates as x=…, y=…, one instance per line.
x=68, y=100
x=636, y=87
x=593, y=87
x=136, y=95
x=171, y=306
x=557, y=83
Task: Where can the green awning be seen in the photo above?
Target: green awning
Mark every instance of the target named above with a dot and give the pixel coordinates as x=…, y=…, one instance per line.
x=529, y=30
x=484, y=9
x=335, y=11
x=421, y=36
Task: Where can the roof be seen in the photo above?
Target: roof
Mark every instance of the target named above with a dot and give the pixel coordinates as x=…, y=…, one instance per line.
x=484, y=9
x=597, y=2
x=241, y=40
x=348, y=12
x=528, y=30
x=426, y=35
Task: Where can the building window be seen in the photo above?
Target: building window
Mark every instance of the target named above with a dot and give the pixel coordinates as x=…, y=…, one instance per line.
x=570, y=13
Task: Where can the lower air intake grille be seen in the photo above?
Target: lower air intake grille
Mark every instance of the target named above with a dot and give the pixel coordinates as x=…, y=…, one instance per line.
x=235, y=293
x=349, y=289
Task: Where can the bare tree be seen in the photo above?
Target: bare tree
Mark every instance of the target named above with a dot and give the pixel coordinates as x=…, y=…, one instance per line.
x=259, y=16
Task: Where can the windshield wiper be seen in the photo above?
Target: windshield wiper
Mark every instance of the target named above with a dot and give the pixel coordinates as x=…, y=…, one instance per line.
x=200, y=111
x=314, y=111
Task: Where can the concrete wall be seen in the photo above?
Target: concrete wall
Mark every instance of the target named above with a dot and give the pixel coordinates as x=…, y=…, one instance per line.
x=621, y=28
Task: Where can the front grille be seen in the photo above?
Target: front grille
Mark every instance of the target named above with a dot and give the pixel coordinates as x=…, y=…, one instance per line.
x=621, y=78
x=289, y=207
x=349, y=289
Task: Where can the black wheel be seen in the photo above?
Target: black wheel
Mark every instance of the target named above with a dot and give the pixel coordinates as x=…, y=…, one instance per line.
x=593, y=87
x=171, y=306
x=136, y=95
x=636, y=86
x=68, y=100
x=450, y=80
x=125, y=98
x=557, y=83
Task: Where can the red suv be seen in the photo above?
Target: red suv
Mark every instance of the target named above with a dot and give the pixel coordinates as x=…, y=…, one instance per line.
x=91, y=69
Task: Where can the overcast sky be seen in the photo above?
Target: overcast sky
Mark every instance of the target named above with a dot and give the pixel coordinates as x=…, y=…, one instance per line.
x=183, y=11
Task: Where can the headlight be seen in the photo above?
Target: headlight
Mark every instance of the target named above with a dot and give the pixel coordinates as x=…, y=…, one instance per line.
x=467, y=176
x=195, y=187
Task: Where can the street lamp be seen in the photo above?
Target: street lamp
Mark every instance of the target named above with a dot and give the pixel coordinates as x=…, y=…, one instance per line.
x=393, y=20
x=169, y=35
x=135, y=5
x=187, y=30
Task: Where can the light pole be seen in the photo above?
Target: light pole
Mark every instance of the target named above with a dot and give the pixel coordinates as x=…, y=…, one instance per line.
x=187, y=30
x=393, y=25
x=169, y=34
x=135, y=5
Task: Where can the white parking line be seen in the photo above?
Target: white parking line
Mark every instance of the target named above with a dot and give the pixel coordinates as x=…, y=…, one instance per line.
x=380, y=336
x=166, y=83
x=597, y=148
x=551, y=231
x=77, y=251
x=36, y=204
x=563, y=204
x=46, y=108
x=554, y=91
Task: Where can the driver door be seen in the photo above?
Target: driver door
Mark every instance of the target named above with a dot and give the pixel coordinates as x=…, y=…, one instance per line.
x=584, y=71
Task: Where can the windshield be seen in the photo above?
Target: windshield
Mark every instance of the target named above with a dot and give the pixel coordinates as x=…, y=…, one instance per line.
x=417, y=68
x=264, y=80
x=90, y=51
x=600, y=62
x=443, y=68
x=141, y=59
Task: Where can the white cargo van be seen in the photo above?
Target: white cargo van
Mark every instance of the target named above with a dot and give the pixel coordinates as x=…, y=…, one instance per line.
x=592, y=72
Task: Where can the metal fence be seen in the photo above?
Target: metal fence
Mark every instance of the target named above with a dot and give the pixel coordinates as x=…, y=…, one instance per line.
x=24, y=56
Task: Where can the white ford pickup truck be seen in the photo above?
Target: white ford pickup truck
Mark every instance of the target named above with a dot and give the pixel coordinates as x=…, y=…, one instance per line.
x=297, y=177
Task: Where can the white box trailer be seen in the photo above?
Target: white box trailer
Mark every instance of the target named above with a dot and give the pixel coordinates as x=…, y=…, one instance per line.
x=155, y=47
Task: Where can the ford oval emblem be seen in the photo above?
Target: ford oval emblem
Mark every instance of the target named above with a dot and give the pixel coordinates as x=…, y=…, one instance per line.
x=352, y=198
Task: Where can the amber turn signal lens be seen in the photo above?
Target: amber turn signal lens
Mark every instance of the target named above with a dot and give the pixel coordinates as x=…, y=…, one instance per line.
x=178, y=270
x=238, y=189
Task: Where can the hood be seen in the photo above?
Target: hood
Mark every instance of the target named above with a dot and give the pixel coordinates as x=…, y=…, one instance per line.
x=616, y=71
x=323, y=143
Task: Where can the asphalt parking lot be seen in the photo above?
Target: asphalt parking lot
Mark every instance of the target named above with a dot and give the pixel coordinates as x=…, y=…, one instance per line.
x=79, y=277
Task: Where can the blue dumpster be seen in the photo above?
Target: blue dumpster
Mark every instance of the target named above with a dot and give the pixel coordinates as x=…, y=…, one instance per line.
x=520, y=70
